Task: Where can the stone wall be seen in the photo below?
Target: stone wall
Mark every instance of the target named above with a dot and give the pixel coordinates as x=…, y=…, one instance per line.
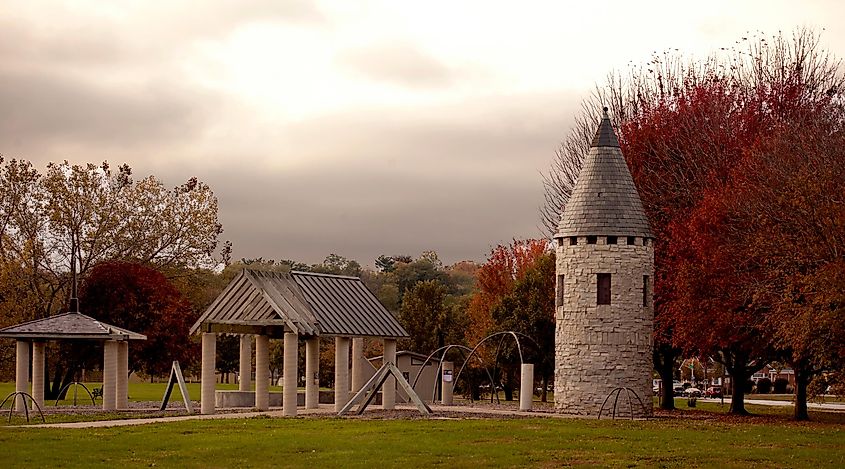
x=602, y=347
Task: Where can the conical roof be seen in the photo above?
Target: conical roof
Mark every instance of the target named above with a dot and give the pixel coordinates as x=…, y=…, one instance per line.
x=604, y=201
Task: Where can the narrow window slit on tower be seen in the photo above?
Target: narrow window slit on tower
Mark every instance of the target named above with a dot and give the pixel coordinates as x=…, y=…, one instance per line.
x=611, y=240
x=631, y=240
x=573, y=240
x=603, y=284
x=559, y=292
x=592, y=239
x=646, y=291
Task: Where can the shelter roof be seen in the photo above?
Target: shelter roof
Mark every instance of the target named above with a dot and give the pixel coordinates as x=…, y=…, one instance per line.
x=604, y=201
x=302, y=302
x=69, y=325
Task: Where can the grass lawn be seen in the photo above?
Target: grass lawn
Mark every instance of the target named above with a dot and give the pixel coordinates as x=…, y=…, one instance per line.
x=699, y=437
x=332, y=442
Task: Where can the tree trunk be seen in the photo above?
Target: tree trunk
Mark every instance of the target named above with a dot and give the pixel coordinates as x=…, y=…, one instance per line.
x=801, y=380
x=664, y=362
x=544, y=394
x=508, y=385
x=737, y=366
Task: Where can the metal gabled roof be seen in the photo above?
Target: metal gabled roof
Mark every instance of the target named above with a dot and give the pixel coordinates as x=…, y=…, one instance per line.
x=344, y=306
x=69, y=325
x=259, y=297
x=604, y=201
x=303, y=302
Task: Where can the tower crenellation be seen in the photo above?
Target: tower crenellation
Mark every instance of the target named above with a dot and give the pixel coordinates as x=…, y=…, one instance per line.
x=605, y=270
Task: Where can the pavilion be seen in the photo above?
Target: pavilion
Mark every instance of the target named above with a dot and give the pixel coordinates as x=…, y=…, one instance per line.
x=291, y=306
x=71, y=326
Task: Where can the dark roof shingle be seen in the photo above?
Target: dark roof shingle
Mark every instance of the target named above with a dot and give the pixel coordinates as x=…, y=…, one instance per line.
x=604, y=201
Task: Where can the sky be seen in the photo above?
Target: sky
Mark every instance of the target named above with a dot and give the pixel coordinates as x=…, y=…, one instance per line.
x=358, y=128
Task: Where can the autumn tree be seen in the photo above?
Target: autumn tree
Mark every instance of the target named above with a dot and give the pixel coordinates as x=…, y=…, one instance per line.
x=141, y=299
x=495, y=281
x=790, y=189
x=529, y=309
x=691, y=131
x=89, y=214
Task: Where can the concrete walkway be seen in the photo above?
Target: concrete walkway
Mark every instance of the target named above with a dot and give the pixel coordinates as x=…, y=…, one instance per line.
x=833, y=406
x=325, y=410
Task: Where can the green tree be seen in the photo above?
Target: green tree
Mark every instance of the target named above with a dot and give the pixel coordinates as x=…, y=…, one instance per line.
x=425, y=316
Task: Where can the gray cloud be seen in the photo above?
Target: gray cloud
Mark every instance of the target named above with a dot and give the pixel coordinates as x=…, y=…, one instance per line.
x=407, y=182
x=38, y=111
x=399, y=64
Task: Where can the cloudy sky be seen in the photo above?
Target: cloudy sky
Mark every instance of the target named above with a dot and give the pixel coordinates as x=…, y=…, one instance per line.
x=360, y=128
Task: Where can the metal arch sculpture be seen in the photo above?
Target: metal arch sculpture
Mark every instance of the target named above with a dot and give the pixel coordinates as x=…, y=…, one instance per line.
x=445, y=349
x=513, y=334
x=75, y=385
x=25, y=396
x=628, y=392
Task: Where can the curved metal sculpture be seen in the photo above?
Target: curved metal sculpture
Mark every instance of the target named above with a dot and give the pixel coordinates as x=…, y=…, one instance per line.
x=445, y=349
x=513, y=334
x=628, y=392
x=25, y=395
x=472, y=352
x=75, y=385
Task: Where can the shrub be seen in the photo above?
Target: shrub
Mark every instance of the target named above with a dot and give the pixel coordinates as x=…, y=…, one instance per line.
x=781, y=385
x=764, y=386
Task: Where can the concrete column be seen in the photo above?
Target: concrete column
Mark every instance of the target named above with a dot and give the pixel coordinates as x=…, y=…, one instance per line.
x=341, y=372
x=245, y=364
x=207, y=376
x=447, y=377
x=262, y=372
x=38, y=373
x=21, y=374
x=312, y=373
x=358, y=377
x=122, y=387
x=290, y=366
x=526, y=387
x=388, y=390
x=109, y=375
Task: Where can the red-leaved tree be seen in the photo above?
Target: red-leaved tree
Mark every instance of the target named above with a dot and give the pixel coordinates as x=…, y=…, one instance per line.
x=142, y=300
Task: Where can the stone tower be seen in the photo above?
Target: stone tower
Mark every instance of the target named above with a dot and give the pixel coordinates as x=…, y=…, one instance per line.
x=605, y=270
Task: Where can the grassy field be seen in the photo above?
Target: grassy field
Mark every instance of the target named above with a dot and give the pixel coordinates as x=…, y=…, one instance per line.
x=332, y=442
x=700, y=437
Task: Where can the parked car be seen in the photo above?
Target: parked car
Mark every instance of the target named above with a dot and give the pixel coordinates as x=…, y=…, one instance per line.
x=678, y=390
x=713, y=391
x=692, y=392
